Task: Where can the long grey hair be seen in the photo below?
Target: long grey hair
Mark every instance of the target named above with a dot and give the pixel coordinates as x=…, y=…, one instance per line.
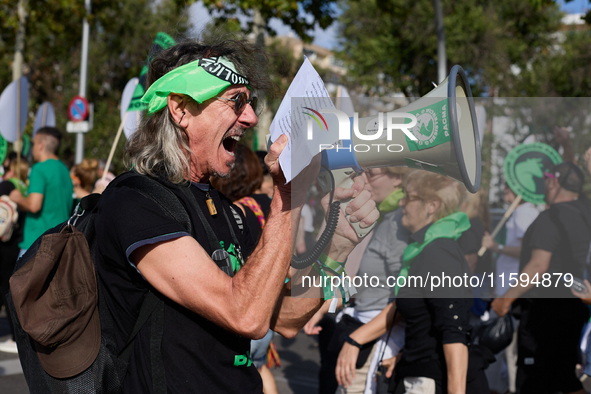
x=160, y=145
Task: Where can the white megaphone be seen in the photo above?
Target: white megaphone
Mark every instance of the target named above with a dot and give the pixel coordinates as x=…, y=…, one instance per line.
x=446, y=140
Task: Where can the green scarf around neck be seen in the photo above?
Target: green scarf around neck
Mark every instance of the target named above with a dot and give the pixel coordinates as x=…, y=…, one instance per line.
x=20, y=185
x=451, y=226
x=390, y=203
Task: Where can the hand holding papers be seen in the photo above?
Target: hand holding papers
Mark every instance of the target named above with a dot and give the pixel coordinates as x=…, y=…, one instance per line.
x=300, y=119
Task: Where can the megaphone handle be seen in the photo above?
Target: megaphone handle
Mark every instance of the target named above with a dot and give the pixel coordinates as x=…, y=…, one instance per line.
x=506, y=216
x=344, y=179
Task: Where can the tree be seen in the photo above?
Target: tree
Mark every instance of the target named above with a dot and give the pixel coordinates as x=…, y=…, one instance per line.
x=121, y=37
x=391, y=45
x=300, y=16
x=561, y=70
x=508, y=49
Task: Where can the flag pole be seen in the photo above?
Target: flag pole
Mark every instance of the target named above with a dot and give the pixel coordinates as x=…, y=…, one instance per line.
x=106, y=170
x=18, y=128
x=503, y=220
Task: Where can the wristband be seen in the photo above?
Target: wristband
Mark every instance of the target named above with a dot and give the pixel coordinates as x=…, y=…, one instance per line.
x=500, y=248
x=335, y=267
x=329, y=267
x=353, y=342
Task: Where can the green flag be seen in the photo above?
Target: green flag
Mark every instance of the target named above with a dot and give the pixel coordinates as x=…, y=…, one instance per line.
x=163, y=41
x=3, y=149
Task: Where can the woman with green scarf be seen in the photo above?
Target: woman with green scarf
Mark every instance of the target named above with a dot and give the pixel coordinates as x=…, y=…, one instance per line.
x=382, y=258
x=435, y=355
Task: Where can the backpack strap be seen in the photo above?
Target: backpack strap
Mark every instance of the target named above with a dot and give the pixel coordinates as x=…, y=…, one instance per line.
x=152, y=306
x=156, y=334
x=238, y=219
x=148, y=306
x=158, y=193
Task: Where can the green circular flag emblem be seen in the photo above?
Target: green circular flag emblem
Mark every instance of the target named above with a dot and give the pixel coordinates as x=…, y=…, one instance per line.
x=3, y=149
x=524, y=170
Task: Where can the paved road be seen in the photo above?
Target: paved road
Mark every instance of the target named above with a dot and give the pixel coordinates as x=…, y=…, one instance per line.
x=300, y=362
x=12, y=380
x=298, y=373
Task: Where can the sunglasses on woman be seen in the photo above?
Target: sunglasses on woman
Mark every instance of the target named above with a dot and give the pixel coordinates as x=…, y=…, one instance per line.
x=411, y=197
x=241, y=100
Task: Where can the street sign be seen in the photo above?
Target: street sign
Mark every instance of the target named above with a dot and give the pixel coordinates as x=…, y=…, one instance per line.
x=78, y=127
x=78, y=109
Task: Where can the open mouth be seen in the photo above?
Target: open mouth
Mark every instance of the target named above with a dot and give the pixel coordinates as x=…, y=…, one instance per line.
x=230, y=143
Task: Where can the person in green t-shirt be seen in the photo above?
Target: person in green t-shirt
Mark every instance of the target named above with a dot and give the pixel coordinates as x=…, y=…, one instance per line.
x=49, y=199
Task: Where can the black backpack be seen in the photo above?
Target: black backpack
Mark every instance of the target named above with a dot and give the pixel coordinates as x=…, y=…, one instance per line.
x=107, y=372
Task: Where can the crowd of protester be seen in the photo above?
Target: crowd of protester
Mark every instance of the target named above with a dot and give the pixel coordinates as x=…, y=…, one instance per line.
x=426, y=342
x=45, y=193
x=387, y=338
x=531, y=363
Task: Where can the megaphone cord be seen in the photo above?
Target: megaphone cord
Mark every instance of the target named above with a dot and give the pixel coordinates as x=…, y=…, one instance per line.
x=331, y=224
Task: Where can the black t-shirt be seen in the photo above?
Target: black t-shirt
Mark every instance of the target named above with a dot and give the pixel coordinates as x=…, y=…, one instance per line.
x=199, y=357
x=433, y=318
x=470, y=242
x=563, y=231
x=6, y=187
x=551, y=323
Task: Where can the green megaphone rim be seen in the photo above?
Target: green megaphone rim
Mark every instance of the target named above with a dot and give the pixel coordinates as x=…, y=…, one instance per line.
x=471, y=185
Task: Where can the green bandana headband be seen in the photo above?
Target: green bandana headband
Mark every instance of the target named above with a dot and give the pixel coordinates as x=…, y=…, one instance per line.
x=201, y=80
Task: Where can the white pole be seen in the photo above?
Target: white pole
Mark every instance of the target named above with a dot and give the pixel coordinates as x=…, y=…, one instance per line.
x=17, y=65
x=44, y=117
x=17, y=72
x=113, y=147
x=19, y=145
x=506, y=216
x=83, y=79
x=441, y=54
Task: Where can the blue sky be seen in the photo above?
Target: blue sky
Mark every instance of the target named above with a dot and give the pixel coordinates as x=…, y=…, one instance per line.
x=575, y=6
x=327, y=38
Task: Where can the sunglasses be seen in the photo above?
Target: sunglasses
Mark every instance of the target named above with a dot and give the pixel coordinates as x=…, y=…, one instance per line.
x=548, y=175
x=371, y=175
x=241, y=100
x=408, y=198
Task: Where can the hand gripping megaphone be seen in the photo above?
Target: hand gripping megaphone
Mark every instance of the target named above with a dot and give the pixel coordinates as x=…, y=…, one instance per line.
x=446, y=140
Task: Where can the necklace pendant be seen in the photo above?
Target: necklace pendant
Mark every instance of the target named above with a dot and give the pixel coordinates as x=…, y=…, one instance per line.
x=210, y=205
